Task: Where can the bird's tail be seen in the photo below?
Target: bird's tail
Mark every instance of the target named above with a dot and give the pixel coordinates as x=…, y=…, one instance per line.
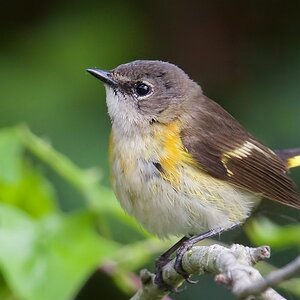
x=291, y=157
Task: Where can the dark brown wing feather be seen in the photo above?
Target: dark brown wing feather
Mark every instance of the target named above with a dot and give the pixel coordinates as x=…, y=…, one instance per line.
x=225, y=150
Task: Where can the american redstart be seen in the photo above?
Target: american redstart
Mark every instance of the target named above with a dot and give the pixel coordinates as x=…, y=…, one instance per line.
x=180, y=163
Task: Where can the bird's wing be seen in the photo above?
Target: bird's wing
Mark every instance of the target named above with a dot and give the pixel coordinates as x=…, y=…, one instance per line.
x=225, y=150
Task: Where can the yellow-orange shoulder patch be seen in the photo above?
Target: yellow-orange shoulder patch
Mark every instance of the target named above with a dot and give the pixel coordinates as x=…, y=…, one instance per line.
x=174, y=153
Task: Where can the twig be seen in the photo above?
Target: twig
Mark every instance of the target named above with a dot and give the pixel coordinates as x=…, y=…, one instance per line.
x=233, y=266
x=274, y=278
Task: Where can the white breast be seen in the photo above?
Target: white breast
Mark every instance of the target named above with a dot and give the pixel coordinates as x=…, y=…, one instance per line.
x=197, y=204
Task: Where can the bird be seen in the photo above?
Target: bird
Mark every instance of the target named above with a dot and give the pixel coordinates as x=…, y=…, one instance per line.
x=180, y=163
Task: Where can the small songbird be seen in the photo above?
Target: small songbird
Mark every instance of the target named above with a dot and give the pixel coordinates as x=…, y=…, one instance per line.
x=180, y=163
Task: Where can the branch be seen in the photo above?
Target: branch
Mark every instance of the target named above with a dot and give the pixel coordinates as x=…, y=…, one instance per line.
x=233, y=266
x=274, y=278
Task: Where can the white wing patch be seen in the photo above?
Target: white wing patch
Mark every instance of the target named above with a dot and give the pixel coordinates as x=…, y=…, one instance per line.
x=242, y=152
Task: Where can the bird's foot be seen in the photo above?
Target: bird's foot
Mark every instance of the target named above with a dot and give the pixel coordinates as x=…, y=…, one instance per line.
x=159, y=264
x=182, y=246
x=187, y=245
x=163, y=260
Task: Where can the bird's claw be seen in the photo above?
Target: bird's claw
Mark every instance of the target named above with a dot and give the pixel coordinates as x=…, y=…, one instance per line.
x=178, y=262
x=162, y=261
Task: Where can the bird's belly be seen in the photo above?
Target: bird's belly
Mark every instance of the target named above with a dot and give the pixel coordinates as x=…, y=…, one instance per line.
x=194, y=204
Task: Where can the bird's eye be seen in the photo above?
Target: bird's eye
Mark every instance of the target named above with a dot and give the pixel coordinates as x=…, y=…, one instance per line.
x=142, y=89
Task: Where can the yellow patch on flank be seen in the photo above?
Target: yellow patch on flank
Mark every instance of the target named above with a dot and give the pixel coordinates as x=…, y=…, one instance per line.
x=174, y=154
x=294, y=162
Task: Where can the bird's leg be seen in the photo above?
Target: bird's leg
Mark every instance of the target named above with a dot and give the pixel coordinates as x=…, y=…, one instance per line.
x=187, y=244
x=162, y=260
x=182, y=246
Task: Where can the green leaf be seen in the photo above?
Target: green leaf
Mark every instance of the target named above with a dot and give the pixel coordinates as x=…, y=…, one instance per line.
x=32, y=193
x=10, y=155
x=5, y=292
x=263, y=231
x=100, y=200
x=51, y=258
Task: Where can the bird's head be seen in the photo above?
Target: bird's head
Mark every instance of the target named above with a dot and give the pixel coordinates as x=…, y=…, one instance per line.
x=145, y=92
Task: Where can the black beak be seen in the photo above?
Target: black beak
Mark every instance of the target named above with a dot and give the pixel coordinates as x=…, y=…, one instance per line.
x=104, y=76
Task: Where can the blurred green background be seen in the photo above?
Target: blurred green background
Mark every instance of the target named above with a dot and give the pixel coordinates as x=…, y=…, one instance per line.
x=62, y=233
